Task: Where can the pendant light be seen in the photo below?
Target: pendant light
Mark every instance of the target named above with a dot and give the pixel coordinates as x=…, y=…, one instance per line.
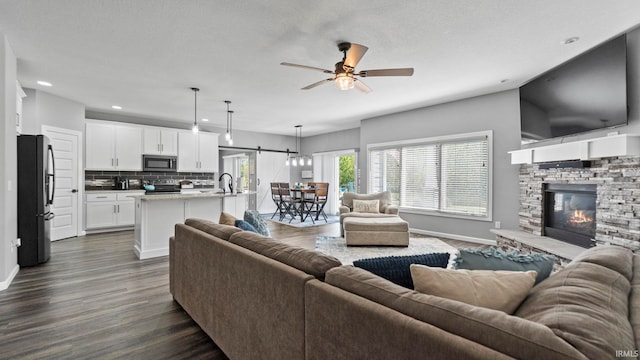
x=195, y=110
x=302, y=158
x=230, y=112
x=227, y=135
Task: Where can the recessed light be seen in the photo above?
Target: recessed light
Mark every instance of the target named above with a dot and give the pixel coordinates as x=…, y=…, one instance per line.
x=44, y=83
x=503, y=81
x=117, y=107
x=571, y=40
x=203, y=119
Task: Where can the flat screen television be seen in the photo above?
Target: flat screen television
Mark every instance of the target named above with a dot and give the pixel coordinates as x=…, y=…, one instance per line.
x=586, y=93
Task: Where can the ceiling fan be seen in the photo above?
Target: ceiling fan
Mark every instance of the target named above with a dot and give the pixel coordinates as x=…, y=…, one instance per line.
x=344, y=73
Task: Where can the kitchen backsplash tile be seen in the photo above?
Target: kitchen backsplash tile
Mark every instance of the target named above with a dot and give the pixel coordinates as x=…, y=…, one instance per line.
x=105, y=180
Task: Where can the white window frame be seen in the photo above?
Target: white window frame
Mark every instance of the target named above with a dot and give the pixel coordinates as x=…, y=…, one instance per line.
x=443, y=139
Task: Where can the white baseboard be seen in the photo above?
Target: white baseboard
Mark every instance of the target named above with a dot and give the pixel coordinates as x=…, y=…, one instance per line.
x=4, y=285
x=454, y=237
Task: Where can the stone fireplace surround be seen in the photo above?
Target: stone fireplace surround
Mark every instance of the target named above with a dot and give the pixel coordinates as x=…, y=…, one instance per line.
x=617, y=205
x=618, y=197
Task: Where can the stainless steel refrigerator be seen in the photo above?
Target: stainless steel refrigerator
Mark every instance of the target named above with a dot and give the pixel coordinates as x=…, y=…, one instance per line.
x=36, y=187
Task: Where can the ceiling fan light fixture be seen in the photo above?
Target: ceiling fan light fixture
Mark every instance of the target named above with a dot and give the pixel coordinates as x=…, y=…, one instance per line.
x=344, y=81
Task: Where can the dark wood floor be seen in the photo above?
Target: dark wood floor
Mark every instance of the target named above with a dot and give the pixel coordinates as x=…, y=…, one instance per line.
x=95, y=300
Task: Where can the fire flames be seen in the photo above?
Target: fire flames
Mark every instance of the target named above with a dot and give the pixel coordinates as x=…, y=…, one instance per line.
x=579, y=217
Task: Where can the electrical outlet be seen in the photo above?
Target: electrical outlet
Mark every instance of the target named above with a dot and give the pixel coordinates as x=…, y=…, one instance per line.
x=497, y=225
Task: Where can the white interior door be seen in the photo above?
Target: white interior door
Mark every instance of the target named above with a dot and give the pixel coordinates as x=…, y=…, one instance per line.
x=270, y=167
x=66, y=202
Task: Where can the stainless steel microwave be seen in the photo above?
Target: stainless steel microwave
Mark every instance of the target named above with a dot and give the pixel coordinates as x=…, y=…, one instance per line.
x=159, y=163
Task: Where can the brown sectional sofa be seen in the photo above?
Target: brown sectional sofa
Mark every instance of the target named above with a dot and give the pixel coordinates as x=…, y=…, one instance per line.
x=259, y=298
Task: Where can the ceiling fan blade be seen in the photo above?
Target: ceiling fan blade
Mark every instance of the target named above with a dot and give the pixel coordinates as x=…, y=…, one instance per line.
x=386, y=72
x=355, y=53
x=316, y=84
x=362, y=86
x=307, y=67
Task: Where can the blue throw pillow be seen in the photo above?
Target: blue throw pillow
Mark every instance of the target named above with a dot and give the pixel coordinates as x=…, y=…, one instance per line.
x=253, y=217
x=497, y=259
x=241, y=224
x=397, y=268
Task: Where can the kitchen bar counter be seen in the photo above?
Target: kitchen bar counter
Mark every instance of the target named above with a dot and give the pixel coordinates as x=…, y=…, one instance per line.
x=157, y=214
x=186, y=195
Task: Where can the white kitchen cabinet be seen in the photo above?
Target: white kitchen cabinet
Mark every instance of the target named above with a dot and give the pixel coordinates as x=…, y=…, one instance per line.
x=236, y=205
x=197, y=152
x=112, y=146
x=110, y=210
x=159, y=141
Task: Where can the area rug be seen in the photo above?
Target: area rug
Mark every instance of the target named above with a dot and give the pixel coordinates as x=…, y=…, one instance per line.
x=337, y=247
x=297, y=223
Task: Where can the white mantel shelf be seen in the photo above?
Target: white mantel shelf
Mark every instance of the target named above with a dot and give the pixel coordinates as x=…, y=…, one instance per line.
x=591, y=149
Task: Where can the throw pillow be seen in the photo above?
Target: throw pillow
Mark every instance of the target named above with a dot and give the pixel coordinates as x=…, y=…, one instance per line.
x=253, y=217
x=396, y=268
x=366, y=206
x=227, y=219
x=498, y=290
x=497, y=259
x=241, y=224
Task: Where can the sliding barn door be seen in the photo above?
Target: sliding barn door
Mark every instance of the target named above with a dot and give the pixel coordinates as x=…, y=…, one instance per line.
x=270, y=167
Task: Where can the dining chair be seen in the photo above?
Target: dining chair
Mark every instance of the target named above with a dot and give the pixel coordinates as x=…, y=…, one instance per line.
x=275, y=196
x=316, y=206
x=291, y=204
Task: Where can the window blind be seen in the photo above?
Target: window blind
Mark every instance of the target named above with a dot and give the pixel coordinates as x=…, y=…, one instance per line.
x=449, y=176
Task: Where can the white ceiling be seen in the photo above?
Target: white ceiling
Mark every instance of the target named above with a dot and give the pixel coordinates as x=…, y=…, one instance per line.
x=144, y=55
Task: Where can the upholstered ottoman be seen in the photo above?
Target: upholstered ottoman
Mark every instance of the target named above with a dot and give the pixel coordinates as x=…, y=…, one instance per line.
x=390, y=231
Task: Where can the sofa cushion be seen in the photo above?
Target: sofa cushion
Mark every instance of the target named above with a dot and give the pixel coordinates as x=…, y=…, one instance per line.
x=513, y=336
x=492, y=289
x=366, y=206
x=253, y=217
x=616, y=258
x=221, y=231
x=396, y=268
x=227, y=219
x=497, y=259
x=586, y=303
x=310, y=261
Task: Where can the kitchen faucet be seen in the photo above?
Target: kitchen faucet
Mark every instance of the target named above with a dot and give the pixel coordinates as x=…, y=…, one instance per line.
x=230, y=182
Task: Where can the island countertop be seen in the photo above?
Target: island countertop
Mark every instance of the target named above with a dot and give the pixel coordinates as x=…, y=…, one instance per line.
x=192, y=194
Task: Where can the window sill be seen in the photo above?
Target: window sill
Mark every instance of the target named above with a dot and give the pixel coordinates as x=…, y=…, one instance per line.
x=444, y=214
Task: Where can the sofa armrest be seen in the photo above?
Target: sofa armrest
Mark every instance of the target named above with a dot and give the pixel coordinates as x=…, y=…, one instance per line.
x=344, y=209
x=391, y=209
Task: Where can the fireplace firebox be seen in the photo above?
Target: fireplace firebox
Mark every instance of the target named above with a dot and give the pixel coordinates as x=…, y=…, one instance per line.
x=570, y=213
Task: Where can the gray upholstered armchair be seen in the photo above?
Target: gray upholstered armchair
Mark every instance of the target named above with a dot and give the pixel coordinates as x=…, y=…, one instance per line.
x=386, y=208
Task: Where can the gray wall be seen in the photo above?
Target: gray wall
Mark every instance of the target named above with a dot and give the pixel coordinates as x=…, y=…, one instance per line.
x=339, y=140
x=498, y=112
x=41, y=108
x=8, y=163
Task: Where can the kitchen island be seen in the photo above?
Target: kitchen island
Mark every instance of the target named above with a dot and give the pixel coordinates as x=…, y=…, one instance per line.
x=157, y=214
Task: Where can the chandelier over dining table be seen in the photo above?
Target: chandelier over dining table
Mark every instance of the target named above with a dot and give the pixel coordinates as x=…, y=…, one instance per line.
x=298, y=159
